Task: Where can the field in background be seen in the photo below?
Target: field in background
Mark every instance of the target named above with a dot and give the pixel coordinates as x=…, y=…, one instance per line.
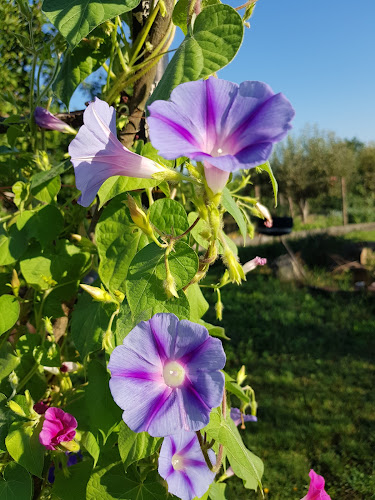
x=310, y=358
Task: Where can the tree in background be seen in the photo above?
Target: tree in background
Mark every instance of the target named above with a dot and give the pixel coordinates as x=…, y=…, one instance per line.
x=321, y=168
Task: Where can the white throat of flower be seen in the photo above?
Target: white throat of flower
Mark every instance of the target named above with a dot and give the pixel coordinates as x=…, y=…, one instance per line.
x=178, y=462
x=173, y=374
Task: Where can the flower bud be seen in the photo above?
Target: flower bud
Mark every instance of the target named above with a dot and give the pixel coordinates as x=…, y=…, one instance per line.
x=15, y=283
x=97, y=294
x=69, y=446
x=47, y=120
x=236, y=273
x=119, y=295
x=13, y=380
x=252, y=264
x=69, y=366
x=139, y=217
x=170, y=285
x=241, y=375
x=15, y=407
x=219, y=309
x=48, y=325
x=264, y=212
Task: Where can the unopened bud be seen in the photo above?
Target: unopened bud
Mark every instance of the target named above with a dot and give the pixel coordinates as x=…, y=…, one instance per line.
x=15, y=283
x=241, y=375
x=72, y=446
x=42, y=160
x=65, y=384
x=139, y=217
x=264, y=212
x=15, y=407
x=236, y=273
x=47, y=120
x=250, y=230
x=69, y=366
x=97, y=294
x=84, y=243
x=48, y=325
x=170, y=286
x=219, y=309
x=148, y=45
x=107, y=341
x=119, y=295
x=13, y=380
x=252, y=264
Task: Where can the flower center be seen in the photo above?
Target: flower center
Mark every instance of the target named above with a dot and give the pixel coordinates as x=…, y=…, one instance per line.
x=173, y=373
x=177, y=462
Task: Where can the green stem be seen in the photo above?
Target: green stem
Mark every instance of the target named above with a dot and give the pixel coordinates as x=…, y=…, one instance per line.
x=48, y=86
x=141, y=38
x=28, y=376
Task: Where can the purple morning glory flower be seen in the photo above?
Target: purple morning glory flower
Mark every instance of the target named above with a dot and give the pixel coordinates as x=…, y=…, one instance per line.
x=165, y=376
x=182, y=465
x=224, y=125
x=44, y=119
x=97, y=154
x=235, y=415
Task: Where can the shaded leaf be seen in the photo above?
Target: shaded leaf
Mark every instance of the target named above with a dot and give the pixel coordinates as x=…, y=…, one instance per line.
x=212, y=43
x=135, y=446
x=17, y=483
x=78, y=18
x=9, y=312
x=24, y=447
x=118, y=240
x=231, y=206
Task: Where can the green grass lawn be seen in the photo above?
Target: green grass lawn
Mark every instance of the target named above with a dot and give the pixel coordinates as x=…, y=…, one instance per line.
x=310, y=359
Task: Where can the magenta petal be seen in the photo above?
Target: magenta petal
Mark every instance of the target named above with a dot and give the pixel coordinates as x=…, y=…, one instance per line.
x=58, y=426
x=316, y=489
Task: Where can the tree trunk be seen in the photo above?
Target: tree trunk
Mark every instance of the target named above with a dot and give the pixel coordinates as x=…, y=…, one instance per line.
x=344, y=202
x=142, y=87
x=291, y=206
x=304, y=209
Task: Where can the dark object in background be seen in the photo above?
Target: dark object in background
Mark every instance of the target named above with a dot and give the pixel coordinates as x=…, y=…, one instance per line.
x=280, y=226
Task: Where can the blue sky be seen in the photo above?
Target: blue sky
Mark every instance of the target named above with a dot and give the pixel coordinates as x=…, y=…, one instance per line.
x=320, y=54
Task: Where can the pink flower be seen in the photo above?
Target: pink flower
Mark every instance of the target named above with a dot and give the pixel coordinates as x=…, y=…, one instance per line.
x=316, y=490
x=58, y=426
x=252, y=264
